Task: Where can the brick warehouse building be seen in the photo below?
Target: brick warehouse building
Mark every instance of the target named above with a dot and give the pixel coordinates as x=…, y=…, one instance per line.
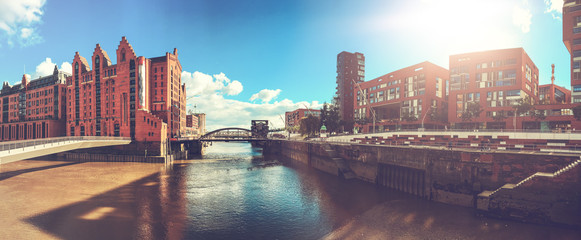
x=137, y=97
x=350, y=70
x=403, y=99
x=495, y=80
x=34, y=109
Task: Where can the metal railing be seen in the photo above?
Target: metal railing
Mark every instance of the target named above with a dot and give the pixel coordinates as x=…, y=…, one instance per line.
x=512, y=146
x=472, y=130
x=7, y=146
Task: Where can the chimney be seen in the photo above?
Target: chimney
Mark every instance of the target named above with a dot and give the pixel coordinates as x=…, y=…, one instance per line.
x=553, y=74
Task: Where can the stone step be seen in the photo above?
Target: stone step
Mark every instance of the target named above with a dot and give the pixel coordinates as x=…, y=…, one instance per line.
x=509, y=186
x=485, y=194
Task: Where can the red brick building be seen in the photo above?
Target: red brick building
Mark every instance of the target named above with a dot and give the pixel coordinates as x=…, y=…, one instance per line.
x=293, y=119
x=496, y=80
x=403, y=99
x=554, y=94
x=350, y=70
x=34, y=109
x=572, y=40
x=136, y=97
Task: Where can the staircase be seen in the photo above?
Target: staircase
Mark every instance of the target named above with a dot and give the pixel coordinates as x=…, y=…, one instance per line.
x=488, y=194
x=341, y=163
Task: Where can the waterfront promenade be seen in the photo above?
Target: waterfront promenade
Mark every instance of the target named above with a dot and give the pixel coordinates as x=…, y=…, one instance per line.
x=30, y=189
x=515, y=141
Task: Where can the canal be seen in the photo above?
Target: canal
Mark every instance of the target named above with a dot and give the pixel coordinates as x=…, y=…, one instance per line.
x=227, y=194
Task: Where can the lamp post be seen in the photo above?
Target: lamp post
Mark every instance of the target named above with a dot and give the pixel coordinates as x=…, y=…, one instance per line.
x=424, y=118
x=366, y=103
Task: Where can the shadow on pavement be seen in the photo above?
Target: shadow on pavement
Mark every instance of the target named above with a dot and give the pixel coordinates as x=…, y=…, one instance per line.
x=152, y=207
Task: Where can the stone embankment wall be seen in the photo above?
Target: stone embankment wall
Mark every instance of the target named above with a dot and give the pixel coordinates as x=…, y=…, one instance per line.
x=458, y=176
x=92, y=157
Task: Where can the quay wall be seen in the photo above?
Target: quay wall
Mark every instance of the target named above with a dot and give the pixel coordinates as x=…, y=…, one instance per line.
x=96, y=157
x=457, y=176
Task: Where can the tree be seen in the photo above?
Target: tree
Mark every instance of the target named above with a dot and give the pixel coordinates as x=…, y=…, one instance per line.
x=473, y=110
x=577, y=112
x=362, y=121
x=538, y=114
x=500, y=116
x=330, y=117
x=523, y=106
x=408, y=116
x=309, y=125
x=440, y=113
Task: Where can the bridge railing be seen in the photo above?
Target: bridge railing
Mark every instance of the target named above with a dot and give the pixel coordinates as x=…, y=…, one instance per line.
x=7, y=146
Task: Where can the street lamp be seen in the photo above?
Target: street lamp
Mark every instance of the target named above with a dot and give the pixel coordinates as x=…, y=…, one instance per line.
x=366, y=103
x=424, y=118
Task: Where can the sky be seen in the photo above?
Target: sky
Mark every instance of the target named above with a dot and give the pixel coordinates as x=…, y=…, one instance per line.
x=257, y=59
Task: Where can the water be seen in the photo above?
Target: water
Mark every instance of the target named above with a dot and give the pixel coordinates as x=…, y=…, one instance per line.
x=229, y=199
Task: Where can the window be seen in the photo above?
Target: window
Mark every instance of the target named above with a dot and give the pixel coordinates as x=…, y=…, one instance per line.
x=577, y=88
x=513, y=93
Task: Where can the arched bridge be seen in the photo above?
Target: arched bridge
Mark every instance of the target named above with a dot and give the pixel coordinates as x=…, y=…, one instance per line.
x=231, y=134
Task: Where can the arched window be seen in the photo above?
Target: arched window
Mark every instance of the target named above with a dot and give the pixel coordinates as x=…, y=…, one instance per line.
x=123, y=55
x=97, y=60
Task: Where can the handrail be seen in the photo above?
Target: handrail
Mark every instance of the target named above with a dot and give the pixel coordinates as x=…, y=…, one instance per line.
x=463, y=144
x=472, y=130
x=4, y=146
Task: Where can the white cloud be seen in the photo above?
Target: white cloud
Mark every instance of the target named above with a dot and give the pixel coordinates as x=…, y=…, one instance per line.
x=265, y=95
x=554, y=6
x=222, y=112
x=18, y=21
x=521, y=17
x=209, y=94
x=46, y=68
x=67, y=67
x=234, y=88
x=198, y=83
x=26, y=32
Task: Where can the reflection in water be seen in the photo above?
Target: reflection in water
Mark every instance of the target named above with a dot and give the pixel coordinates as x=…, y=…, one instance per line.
x=227, y=201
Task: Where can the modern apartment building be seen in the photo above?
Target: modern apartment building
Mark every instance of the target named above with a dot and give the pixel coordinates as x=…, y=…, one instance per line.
x=554, y=94
x=293, y=118
x=34, y=109
x=572, y=40
x=495, y=80
x=404, y=99
x=136, y=97
x=350, y=71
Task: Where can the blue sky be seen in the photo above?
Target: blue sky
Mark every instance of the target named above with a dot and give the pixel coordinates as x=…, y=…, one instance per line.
x=257, y=59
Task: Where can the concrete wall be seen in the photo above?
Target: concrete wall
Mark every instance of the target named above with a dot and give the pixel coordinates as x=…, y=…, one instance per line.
x=451, y=176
